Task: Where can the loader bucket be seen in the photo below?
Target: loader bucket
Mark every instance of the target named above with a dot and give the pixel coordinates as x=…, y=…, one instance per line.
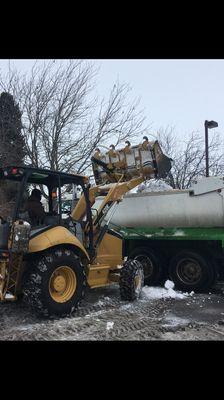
x=120, y=164
x=163, y=162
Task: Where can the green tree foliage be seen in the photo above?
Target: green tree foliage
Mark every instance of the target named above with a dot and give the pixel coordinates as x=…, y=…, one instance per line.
x=12, y=144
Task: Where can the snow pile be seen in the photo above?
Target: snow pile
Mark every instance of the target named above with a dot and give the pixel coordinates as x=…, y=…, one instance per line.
x=160, y=293
x=152, y=185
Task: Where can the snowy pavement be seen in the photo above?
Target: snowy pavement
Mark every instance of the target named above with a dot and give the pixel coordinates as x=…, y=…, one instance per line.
x=160, y=314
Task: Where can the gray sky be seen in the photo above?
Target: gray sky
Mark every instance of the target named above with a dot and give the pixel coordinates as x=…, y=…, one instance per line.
x=179, y=93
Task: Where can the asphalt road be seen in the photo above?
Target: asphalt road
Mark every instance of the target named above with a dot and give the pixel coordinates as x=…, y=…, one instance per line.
x=103, y=316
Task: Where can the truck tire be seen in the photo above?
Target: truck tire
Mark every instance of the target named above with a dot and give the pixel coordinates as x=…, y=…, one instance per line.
x=55, y=283
x=190, y=271
x=152, y=263
x=131, y=280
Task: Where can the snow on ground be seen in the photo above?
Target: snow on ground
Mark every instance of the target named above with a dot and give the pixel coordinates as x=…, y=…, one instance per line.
x=152, y=292
x=152, y=185
x=110, y=325
x=173, y=320
x=161, y=314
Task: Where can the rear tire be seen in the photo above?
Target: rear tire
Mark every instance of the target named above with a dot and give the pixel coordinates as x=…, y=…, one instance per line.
x=190, y=271
x=131, y=280
x=55, y=283
x=152, y=263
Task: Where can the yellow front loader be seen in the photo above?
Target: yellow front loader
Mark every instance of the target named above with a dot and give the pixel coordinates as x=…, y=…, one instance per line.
x=51, y=260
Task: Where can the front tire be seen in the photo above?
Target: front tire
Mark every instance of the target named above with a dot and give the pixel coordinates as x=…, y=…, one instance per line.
x=55, y=283
x=131, y=280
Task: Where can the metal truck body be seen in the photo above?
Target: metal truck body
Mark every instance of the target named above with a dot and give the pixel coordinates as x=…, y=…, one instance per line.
x=200, y=206
x=177, y=234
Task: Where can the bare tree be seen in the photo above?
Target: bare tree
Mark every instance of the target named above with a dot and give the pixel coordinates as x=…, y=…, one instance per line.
x=62, y=120
x=189, y=156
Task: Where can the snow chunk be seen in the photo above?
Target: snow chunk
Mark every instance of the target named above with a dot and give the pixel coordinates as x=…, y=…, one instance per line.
x=100, y=303
x=26, y=223
x=9, y=296
x=179, y=233
x=169, y=284
x=110, y=325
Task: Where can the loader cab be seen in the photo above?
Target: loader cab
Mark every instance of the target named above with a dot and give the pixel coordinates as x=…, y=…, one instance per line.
x=21, y=181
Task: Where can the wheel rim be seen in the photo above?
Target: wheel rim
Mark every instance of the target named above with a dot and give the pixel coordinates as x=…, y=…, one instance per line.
x=146, y=263
x=189, y=271
x=62, y=284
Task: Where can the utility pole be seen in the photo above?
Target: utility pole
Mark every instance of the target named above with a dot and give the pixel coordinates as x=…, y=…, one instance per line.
x=208, y=125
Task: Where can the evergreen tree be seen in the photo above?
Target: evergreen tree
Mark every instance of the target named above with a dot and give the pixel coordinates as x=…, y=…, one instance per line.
x=12, y=144
x=12, y=147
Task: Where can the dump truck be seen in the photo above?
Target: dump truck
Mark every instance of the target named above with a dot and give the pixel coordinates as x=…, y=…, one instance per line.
x=176, y=234
x=50, y=260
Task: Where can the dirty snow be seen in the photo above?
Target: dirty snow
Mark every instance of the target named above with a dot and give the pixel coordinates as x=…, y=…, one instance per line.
x=179, y=233
x=152, y=185
x=173, y=320
x=157, y=316
x=168, y=291
x=110, y=325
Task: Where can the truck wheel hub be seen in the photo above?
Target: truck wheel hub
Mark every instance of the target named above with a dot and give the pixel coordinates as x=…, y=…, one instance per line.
x=189, y=271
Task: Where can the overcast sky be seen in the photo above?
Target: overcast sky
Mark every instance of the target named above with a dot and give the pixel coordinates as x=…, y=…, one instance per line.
x=180, y=93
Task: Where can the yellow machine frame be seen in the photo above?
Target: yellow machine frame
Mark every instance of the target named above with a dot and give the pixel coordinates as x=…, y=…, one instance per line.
x=102, y=266
x=102, y=271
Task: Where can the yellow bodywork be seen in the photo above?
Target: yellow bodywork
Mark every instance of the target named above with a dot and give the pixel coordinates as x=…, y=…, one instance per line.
x=114, y=192
x=109, y=258
x=110, y=251
x=55, y=237
x=102, y=270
